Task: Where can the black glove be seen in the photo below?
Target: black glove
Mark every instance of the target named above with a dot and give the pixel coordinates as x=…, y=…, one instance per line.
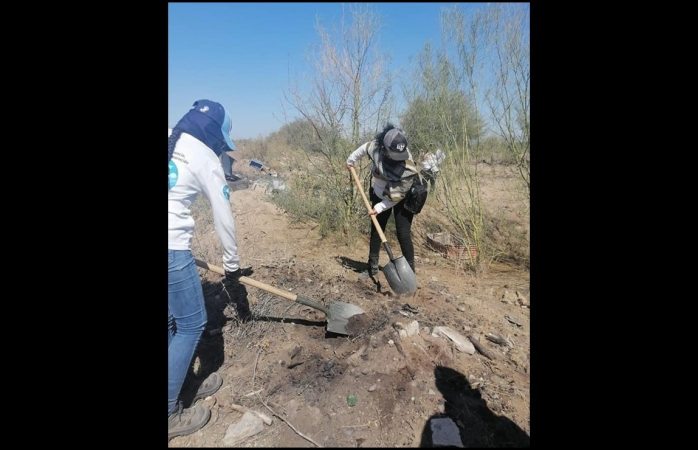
x=237, y=292
x=233, y=278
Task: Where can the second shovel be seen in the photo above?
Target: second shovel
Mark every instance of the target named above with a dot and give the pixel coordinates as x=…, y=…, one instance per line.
x=398, y=272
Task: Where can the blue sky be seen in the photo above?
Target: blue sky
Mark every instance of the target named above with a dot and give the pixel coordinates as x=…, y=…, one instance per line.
x=244, y=55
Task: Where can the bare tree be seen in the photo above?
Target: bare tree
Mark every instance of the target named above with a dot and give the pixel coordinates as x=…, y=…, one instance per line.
x=439, y=111
x=497, y=38
x=446, y=112
x=350, y=97
x=490, y=58
x=509, y=99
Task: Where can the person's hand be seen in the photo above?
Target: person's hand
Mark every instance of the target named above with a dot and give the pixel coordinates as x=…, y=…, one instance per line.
x=372, y=212
x=234, y=277
x=349, y=166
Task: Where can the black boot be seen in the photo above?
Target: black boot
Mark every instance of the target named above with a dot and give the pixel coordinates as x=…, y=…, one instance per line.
x=373, y=266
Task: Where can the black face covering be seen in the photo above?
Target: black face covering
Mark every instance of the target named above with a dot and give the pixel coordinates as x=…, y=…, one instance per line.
x=393, y=169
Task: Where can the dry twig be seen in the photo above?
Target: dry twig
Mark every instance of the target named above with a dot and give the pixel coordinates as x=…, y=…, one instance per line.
x=288, y=423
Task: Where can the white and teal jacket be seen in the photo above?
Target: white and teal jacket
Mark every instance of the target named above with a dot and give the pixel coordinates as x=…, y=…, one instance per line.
x=195, y=169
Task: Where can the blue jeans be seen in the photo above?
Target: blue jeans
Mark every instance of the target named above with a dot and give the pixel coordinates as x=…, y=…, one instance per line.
x=186, y=321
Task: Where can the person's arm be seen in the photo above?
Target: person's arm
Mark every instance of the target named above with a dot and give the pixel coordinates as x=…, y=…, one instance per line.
x=383, y=205
x=357, y=154
x=216, y=189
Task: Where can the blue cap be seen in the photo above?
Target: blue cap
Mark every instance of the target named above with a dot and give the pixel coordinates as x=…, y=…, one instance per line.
x=210, y=123
x=226, y=129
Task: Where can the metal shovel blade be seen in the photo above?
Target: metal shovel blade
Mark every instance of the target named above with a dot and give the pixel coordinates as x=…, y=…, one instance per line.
x=400, y=276
x=338, y=315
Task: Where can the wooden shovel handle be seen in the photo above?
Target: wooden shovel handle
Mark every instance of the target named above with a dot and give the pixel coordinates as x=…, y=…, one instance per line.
x=367, y=203
x=268, y=288
x=249, y=281
x=265, y=287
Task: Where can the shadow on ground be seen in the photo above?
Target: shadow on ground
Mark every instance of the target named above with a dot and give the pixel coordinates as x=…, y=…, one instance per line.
x=210, y=351
x=359, y=267
x=477, y=424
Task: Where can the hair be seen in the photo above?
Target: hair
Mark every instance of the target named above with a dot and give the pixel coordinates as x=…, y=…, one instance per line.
x=172, y=141
x=379, y=137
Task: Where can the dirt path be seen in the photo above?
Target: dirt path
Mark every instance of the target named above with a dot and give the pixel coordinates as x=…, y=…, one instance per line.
x=399, y=382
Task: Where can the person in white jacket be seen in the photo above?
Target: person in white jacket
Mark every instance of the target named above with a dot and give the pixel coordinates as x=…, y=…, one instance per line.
x=393, y=170
x=194, y=149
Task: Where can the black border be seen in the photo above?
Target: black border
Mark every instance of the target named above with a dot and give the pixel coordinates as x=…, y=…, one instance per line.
x=108, y=239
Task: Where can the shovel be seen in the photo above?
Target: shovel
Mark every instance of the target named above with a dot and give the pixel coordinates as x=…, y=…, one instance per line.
x=398, y=272
x=338, y=314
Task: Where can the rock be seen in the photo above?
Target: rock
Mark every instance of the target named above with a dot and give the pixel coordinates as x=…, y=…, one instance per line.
x=508, y=297
x=497, y=339
x=372, y=388
x=516, y=321
x=462, y=343
x=412, y=328
x=521, y=299
x=354, y=358
x=293, y=353
x=248, y=426
x=402, y=333
x=364, y=371
x=431, y=392
x=496, y=379
x=519, y=358
x=461, y=308
x=444, y=433
x=434, y=278
x=391, y=342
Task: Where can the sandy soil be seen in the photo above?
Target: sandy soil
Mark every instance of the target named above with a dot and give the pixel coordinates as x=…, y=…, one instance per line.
x=286, y=360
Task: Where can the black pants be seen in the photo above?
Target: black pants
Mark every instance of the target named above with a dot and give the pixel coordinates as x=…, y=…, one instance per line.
x=403, y=227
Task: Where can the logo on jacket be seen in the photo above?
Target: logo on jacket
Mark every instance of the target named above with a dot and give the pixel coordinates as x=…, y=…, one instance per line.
x=204, y=109
x=172, y=175
x=226, y=192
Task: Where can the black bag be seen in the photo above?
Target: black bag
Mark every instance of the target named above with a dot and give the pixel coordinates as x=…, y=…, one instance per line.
x=417, y=195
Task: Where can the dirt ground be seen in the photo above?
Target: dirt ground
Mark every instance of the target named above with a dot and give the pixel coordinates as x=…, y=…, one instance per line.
x=283, y=362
